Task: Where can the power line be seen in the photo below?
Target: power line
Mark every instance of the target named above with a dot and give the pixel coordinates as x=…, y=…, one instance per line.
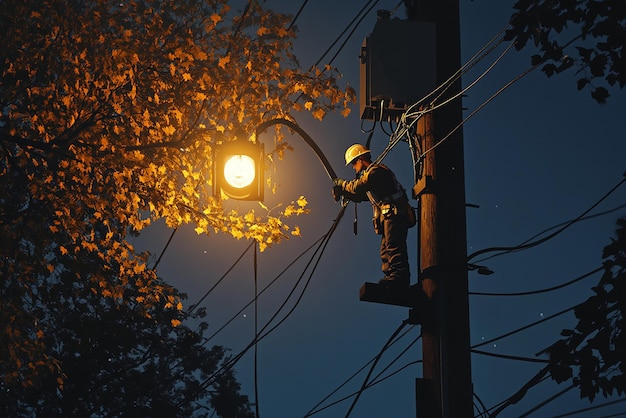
x=314, y=409
x=552, y=235
x=167, y=244
x=293, y=21
x=364, y=385
x=229, y=364
x=535, y=292
x=508, y=357
x=591, y=408
x=595, y=215
x=265, y=288
x=208, y=292
x=508, y=334
x=547, y=401
x=345, y=30
x=372, y=384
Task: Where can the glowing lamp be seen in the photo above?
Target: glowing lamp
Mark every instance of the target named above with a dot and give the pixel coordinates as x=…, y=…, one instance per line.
x=238, y=170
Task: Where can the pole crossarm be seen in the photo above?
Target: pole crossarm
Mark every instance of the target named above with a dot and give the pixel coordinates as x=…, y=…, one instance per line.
x=307, y=138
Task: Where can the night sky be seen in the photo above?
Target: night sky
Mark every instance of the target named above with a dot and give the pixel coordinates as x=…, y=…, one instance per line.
x=538, y=155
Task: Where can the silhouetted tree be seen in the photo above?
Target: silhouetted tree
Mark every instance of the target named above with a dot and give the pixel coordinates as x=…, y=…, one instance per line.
x=585, y=34
x=593, y=354
x=115, y=357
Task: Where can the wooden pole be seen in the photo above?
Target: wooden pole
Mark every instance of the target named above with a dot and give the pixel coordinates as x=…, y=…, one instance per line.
x=443, y=242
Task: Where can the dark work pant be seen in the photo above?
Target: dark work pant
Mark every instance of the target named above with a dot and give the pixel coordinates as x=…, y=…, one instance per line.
x=393, y=252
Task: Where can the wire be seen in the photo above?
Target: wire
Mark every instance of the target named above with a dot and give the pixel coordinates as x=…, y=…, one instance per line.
x=484, y=412
x=508, y=334
x=552, y=235
x=606, y=212
x=167, y=244
x=404, y=127
x=236, y=315
x=229, y=364
x=480, y=107
x=547, y=401
x=314, y=411
x=194, y=306
x=364, y=385
x=534, y=292
x=504, y=356
x=344, y=31
x=591, y=408
x=517, y=396
x=293, y=21
x=352, y=33
x=256, y=333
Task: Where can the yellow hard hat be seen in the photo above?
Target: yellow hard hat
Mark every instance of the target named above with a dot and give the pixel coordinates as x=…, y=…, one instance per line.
x=354, y=152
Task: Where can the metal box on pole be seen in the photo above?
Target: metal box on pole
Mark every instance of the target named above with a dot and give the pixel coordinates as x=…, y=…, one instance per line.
x=397, y=65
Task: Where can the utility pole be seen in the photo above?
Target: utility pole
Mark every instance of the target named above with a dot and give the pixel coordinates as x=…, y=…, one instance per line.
x=443, y=243
x=439, y=301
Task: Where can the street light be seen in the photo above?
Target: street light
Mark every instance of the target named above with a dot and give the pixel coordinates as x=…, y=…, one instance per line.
x=238, y=165
x=238, y=170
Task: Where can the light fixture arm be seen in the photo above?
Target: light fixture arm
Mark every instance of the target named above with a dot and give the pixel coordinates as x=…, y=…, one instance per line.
x=282, y=121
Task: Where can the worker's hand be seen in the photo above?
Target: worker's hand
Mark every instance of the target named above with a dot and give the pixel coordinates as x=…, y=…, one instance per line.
x=338, y=182
x=336, y=193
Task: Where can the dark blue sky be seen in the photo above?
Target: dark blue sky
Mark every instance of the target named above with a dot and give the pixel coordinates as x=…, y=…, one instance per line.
x=539, y=154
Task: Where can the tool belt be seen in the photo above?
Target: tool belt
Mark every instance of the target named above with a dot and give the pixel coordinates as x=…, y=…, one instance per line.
x=388, y=210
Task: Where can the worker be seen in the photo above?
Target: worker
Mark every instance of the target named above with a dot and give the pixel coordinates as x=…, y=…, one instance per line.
x=392, y=216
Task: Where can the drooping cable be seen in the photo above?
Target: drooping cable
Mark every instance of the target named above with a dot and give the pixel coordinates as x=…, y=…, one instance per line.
x=371, y=384
x=547, y=401
x=591, y=408
x=231, y=362
x=508, y=357
x=167, y=244
x=552, y=235
x=314, y=409
x=236, y=315
x=293, y=21
x=535, y=292
x=479, y=108
x=508, y=334
x=344, y=31
x=365, y=381
x=256, y=333
x=208, y=292
x=584, y=218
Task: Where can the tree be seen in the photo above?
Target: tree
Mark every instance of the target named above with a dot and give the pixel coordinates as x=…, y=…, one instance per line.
x=586, y=34
x=592, y=354
x=117, y=359
x=109, y=112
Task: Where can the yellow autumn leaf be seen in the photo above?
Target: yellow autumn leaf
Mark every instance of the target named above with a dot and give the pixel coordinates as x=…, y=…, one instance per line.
x=175, y=322
x=302, y=202
x=319, y=114
x=216, y=18
x=223, y=62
